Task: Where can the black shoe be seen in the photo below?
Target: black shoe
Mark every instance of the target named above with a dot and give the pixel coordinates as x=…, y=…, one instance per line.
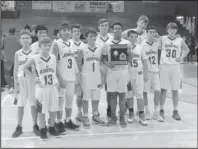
x=176, y=115
x=162, y=113
x=108, y=112
x=53, y=131
x=15, y=101
x=43, y=133
x=36, y=130
x=60, y=128
x=17, y=132
x=71, y=125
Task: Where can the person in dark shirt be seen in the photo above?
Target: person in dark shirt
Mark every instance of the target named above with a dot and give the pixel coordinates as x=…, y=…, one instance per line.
x=192, y=49
x=34, y=37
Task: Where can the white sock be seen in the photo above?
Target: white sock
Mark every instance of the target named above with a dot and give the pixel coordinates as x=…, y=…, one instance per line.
x=156, y=108
x=147, y=108
x=162, y=107
x=175, y=107
x=59, y=120
x=67, y=119
x=79, y=110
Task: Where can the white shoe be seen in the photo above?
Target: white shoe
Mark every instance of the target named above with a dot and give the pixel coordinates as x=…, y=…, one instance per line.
x=130, y=118
x=147, y=115
x=157, y=117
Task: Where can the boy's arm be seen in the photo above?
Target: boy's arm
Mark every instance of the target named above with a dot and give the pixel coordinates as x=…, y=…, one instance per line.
x=16, y=68
x=105, y=56
x=55, y=50
x=159, y=49
x=145, y=63
x=130, y=57
x=59, y=77
x=185, y=51
x=27, y=65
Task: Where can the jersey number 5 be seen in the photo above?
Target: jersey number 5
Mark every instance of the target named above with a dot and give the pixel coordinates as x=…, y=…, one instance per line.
x=48, y=80
x=70, y=63
x=171, y=53
x=134, y=63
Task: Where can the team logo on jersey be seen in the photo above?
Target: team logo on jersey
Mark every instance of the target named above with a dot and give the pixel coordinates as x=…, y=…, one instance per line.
x=123, y=56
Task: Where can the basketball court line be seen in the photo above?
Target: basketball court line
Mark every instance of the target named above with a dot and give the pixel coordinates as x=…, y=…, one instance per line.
x=106, y=134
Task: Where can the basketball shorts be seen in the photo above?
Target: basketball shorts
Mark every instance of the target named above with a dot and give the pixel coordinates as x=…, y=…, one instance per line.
x=117, y=81
x=137, y=85
x=27, y=91
x=47, y=99
x=93, y=94
x=153, y=83
x=170, y=75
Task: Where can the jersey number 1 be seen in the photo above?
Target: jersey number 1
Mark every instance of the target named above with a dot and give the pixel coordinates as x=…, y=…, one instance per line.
x=48, y=80
x=93, y=66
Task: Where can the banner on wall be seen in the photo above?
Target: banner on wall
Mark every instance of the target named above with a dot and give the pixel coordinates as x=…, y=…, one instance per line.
x=8, y=6
x=41, y=5
x=88, y=6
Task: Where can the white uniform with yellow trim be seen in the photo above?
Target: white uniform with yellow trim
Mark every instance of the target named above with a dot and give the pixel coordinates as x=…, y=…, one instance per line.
x=91, y=73
x=117, y=77
x=153, y=83
x=136, y=72
x=46, y=91
x=101, y=42
x=26, y=82
x=67, y=65
x=170, y=73
x=77, y=47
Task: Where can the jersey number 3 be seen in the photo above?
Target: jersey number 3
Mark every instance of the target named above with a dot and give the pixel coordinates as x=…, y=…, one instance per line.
x=70, y=63
x=48, y=80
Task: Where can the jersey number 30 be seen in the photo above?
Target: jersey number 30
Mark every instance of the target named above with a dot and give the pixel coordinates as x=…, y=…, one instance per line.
x=48, y=80
x=171, y=53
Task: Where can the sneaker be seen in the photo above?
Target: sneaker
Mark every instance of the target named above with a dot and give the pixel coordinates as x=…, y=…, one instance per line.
x=71, y=125
x=36, y=130
x=162, y=113
x=53, y=131
x=108, y=112
x=96, y=120
x=131, y=117
x=60, y=128
x=11, y=91
x=86, y=122
x=176, y=115
x=148, y=115
x=123, y=122
x=43, y=133
x=142, y=120
x=79, y=117
x=157, y=117
x=17, y=132
x=111, y=121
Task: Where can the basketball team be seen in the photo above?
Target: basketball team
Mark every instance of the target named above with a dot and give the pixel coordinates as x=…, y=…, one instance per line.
x=48, y=74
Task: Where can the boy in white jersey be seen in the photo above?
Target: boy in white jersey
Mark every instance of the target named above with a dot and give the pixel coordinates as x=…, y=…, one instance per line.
x=77, y=46
x=91, y=78
x=173, y=51
x=117, y=75
x=68, y=69
x=102, y=38
x=153, y=84
x=46, y=90
x=24, y=85
x=138, y=73
x=140, y=29
x=41, y=32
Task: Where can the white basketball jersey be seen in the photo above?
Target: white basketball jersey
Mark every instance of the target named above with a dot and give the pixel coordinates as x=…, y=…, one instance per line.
x=101, y=41
x=67, y=62
x=76, y=47
x=23, y=57
x=138, y=56
x=151, y=51
x=171, y=50
x=46, y=69
x=35, y=48
x=91, y=63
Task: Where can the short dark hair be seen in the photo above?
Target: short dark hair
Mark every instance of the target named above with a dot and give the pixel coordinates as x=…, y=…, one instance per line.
x=90, y=31
x=102, y=21
x=12, y=30
x=151, y=27
x=131, y=32
x=56, y=31
x=45, y=40
x=24, y=32
x=27, y=27
x=143, y=18
x=64, y=25
x=76, y=26
x=40, y=28
x=117, y=23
